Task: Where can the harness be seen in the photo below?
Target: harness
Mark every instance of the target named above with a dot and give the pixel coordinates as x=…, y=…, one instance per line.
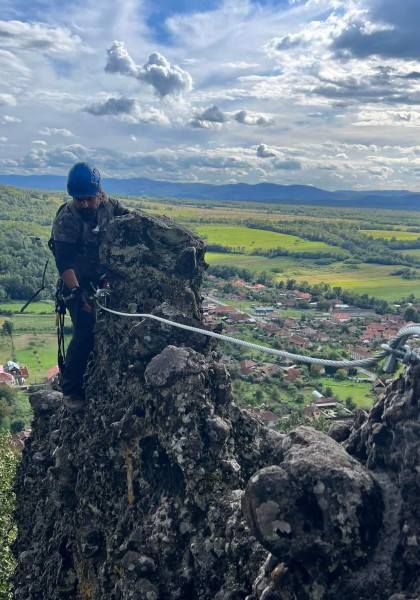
x=87, y=238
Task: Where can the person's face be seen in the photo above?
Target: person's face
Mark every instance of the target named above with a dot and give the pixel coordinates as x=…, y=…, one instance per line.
x=89, y=202
x=87, y=206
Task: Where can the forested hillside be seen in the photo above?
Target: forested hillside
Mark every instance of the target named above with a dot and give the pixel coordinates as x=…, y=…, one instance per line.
x=25, y=225
x=28, y=205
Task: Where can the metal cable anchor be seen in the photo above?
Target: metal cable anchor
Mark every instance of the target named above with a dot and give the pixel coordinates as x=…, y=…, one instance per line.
x=399, y=352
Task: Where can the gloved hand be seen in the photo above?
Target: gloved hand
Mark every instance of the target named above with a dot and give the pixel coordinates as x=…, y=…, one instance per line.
x=79, y=296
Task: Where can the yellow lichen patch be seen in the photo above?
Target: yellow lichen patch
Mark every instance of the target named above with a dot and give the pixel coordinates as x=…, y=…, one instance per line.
x=85, y=585
x=279, y=570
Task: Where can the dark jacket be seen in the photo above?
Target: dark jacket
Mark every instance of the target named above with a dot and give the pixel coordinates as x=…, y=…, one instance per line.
x=76, y=242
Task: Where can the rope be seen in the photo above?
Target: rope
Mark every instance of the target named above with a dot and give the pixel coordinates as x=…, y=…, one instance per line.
x=391, y=348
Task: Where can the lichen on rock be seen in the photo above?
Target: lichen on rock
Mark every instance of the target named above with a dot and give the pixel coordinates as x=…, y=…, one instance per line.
x=164, y=489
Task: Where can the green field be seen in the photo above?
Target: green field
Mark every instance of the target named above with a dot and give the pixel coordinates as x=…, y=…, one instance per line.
x=389, y=235
x=249, y=239
x=360, y=392
x=411, y=252
x=33, y=308
x=34, y=339
x=38, y=352
x=372, y=279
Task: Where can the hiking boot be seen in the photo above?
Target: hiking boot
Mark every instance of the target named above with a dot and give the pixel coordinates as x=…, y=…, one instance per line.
x=74, y=404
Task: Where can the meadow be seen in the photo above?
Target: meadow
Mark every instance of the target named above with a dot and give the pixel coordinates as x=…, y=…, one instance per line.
x=227, y=224
x=389, y=235
x=250, y=239
x=375, y=280
x=34, y=340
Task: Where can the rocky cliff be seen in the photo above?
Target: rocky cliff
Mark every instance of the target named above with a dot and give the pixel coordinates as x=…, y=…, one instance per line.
x=163, y=489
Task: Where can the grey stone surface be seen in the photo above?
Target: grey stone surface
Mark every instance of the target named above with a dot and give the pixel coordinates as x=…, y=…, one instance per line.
x=141, y=495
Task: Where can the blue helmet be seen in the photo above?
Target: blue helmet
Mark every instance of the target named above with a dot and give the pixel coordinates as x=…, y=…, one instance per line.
x=83, y=180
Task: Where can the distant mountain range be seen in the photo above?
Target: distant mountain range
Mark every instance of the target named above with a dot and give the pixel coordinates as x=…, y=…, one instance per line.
x=261, y=192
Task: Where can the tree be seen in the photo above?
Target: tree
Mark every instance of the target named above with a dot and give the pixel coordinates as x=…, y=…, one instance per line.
x=17, y=425
x=5, y=413
x=410, y=314
x=8, y=461
x=296, y=418
x=7, y=329
x=341, y=374
x=349, y=402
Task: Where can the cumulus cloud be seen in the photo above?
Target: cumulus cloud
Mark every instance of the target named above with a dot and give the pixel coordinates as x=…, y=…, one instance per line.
x=264, y=151
x=57, y=156
x=127, y=109
x=55, y=131
x=10, y=119
x=166, y=79
x=384, y=29
x=287, y=42
x=247, y=118
x=210, y=118
x=3, y=139
x=7, y=100
x=288, y=165
x=38, y=37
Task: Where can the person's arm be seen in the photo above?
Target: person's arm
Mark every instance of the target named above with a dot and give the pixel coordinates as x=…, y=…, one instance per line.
x=68, y=277
x=65, y=254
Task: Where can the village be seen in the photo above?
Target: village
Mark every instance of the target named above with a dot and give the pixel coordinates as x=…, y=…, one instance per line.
x=292, y=320
x=296, y=321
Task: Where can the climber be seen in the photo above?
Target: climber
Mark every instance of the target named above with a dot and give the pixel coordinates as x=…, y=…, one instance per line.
x=78, y=229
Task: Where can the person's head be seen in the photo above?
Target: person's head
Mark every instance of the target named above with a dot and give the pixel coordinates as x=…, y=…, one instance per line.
x=84, y=186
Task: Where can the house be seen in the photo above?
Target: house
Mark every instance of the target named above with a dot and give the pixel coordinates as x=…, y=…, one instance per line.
x=325, y=402
x=239, y=283
x=292, y=374
x=246, y=367
x=341, y=317
x=257, y=286
x=287, y=302
x=7, y=379
x=308, y=331
x=304, y=296
x=298, y=340
x=52, y=373
x=263, y=310
x=359, y=352
x=291, y=323
x=267, y=417
x=269, y=368
x=271, y=329
x=322, y=337
x=222, y=310
x=311, y=412
x=239, y=318
x=378, y=385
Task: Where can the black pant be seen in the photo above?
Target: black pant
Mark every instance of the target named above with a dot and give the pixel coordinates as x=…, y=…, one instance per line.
x=77, y=354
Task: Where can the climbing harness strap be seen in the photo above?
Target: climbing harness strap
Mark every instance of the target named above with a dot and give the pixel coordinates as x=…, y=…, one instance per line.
x=60, y=311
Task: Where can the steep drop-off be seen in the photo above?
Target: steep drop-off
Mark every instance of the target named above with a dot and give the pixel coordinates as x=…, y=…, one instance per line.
x=163, y=489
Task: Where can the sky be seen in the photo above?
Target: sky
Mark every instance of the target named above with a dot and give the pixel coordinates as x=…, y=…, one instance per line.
x=315, y=92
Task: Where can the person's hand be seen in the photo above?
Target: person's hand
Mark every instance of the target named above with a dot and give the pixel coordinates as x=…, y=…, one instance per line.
x=79, y=296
